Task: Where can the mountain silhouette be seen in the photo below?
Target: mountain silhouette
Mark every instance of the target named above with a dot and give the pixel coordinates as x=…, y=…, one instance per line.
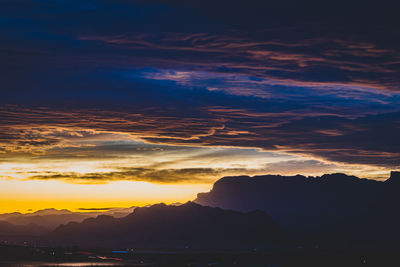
x=333, y=205
x=187, y=225
x=11, y=231
x=49, y=219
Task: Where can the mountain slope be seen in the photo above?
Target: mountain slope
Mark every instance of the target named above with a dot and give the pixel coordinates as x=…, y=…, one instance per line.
x=51, y=218
x=10, y=231
x=173, y=226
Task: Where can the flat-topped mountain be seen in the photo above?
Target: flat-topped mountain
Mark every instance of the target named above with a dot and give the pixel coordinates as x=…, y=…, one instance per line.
x=331, y=205
x=394, y=178
x=187, y=225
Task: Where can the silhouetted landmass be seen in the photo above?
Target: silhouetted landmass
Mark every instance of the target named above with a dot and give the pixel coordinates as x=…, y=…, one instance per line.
x=332, y=210
x=334, y=206
x=49, y=219
x=188, y=225
x=17, y=232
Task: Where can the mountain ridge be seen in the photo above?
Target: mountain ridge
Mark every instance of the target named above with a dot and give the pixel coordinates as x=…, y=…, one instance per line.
x=52, y=218
x=187, y=225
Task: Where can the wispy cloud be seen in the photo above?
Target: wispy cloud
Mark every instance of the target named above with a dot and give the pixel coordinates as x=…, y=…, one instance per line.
x=365, y=139
x=341, y=63
x=76, y=77
x=183, y=175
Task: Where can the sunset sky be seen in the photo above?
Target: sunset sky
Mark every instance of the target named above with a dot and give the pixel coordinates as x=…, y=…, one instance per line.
x=120, y=103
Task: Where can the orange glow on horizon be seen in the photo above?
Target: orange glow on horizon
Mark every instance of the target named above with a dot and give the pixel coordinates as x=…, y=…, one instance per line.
x=28, y=196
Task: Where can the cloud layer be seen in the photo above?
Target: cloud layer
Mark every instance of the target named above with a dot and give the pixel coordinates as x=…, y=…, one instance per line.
x=310, y=80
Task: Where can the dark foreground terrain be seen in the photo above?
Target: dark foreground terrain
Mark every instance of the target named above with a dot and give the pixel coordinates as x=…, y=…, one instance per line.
x=12, y=256
x=333, y=220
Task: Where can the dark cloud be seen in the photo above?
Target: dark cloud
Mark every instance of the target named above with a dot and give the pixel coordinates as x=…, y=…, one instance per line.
x=94, y=209
x=370, y=139
x=313, y=78
x=316, y=62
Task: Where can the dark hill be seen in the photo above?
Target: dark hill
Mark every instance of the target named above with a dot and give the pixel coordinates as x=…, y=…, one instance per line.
x=51, y=218
x=10, y=231
x=188, y=225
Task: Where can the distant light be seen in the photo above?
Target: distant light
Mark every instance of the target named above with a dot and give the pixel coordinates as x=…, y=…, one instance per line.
x=120, y=251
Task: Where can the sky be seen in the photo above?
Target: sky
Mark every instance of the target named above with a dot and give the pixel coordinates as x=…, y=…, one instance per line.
x=122, y=103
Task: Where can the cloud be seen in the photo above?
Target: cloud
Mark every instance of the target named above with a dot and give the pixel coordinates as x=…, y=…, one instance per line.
x=319, y=63
x=369, y=139
x=94, y=209
x=183, y=175
x=301, y=78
